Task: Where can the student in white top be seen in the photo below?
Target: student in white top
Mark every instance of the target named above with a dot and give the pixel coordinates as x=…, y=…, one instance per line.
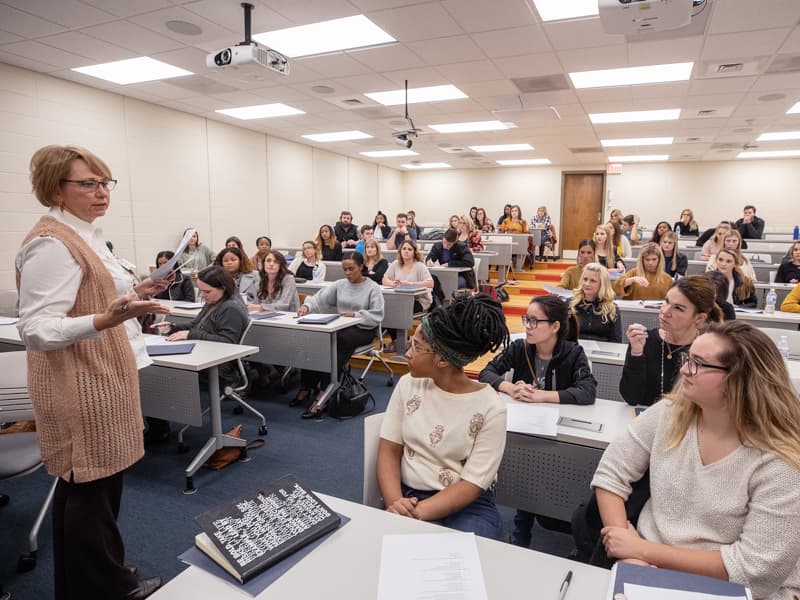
x=443, y=434
x=724, y=460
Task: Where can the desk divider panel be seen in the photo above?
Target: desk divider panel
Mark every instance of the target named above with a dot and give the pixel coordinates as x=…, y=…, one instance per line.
x=607, y=377
x=171, y=394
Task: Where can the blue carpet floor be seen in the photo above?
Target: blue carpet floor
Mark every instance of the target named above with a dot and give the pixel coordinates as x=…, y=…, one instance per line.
x=157, y=518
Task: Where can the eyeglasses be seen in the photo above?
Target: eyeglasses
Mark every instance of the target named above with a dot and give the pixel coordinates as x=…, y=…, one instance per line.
x=533, y=322
x=91, y=185
x=415, y=350
x=694, y=365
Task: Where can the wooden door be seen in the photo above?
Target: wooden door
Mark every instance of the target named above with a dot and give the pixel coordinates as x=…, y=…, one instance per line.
x=581, y=207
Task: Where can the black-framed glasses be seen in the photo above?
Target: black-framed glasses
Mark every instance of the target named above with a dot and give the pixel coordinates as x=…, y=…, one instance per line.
x=533, y=322
x=694, y=365
x=91, y=185
x=416, y=350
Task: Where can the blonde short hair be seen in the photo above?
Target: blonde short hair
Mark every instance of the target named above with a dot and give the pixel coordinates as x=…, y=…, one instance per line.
x=50, y=165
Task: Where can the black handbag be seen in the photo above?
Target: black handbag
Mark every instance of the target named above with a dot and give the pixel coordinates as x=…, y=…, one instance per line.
x=350, y=398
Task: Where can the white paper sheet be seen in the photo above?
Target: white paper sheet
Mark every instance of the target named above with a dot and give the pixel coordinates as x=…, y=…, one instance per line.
x=8, y=320
x=643, y=592
x=533, y=419
x=589, y=346
x=430, y=566
x=164, y=270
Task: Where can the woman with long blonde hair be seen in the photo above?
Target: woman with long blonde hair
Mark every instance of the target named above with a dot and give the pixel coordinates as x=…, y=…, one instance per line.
x=469, y=234
x=741, y=289
x=733, y=241
x=687, y=226
x=647, y=280
x=724, y=460
x=594, y=308
x=716, y=243
x=605, y=251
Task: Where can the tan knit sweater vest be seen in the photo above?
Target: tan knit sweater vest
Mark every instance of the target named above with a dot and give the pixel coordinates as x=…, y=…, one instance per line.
x=86, y=396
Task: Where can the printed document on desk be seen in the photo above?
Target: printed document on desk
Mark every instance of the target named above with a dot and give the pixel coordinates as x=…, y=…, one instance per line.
x=430, y=565
x=532, y=419
x=168, y=267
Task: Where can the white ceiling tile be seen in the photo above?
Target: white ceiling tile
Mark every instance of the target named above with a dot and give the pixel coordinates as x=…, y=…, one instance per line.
x=419, y=77
x=747, y=15
x=482, y=70
x=310, y=11
x=26, y=63
x=665, y=51
x=8, y=38
x=489, y=89
x=88, y=46
x=720, y=85
x=531, y=65
x=191, y=59
x=25, y=24
x=126, y=8
x=778, y=104
x=747, y=44
x=387, y=58
x=475, y=15
x=589, y=59
x=370, y=5
x=338, y=64
x=418, y=22
x=338, y=87
x=69, y=13
x=604, y=96
x=584, y=33
x=777, y=82
x=792, y=43
x=367, y=83
x=230, y=16
x=454, y=49
x=512, y=41
x=133, y=37
x=661, y=90
x=763, y=109
x=47, y=54
x=710, y=101
x=211, y=32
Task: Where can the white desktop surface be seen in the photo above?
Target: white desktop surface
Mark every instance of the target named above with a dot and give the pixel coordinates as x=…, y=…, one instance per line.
x=346, y=566
x=204, y=355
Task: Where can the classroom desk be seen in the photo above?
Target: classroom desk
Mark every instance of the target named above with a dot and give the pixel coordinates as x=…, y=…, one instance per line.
x=781, y=290
x=448, y=277
x=503, y=245
x=607, y=359
x=398, y=309
x=519, y=244
x=550, y=476
x=633, y=311
x=487, y=257
x=170, y=389
x=347, y=565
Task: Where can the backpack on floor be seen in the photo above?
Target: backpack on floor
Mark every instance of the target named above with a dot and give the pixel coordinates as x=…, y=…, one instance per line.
x=350, y=398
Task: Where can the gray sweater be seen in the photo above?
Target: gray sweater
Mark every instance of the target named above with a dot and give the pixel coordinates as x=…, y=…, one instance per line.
x=365, y=299
x=287, y=300
x=746, y=505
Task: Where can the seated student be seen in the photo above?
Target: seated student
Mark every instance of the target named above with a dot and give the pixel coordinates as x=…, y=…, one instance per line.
x=631, y=229
x=452, y=253
x=353, y=296
x=621, y=243
x=375, y=265
x=453, y=223
x=675, y=262
x=514, y=223
x=196, y=256
x=593, y=306
x=400, y=233
x=605, y=251
x=443, y=434
x=327, y=244
x=750, y=226
x=544, y=222
x=715, y=243
x=687, y=226
x=409, y=269
x=733, y=241
x=789, y=270
x=307, y=261
x=724, y=460
x=792, y=301
x=506, y=215
x=549, y=366
x=647, y=280
x=412, y=223
x=277, y=289
x=654, y=356
x=345, y=230
x=367, y=233
x=720, y=283
x=234, y=242
x=238, y=266
x=380, y=227
x=742, y=292
x=469, y=234
x=482, y=222
x=263, y=244
x=180, y=287
x=571, y=278
x=662, y=227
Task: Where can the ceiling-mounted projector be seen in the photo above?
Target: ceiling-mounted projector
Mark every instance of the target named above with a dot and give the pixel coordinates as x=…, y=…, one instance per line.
x=638, y=16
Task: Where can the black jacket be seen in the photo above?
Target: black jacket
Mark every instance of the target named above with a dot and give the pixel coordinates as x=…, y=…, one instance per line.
x=685, y=230
x=641, y=381
x=751, y=301
x=224, y=321
x=708, y=234
x=683, y=264
x=751, y=231
x=180, y=289
x=591, y=326
x=787, y=271
x=343, y=233
x=568, y=372
x=377, y=272
x=460, y=256
x=334, y=253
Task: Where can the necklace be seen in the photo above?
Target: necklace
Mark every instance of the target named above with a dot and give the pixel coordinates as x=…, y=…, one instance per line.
x=669, y=356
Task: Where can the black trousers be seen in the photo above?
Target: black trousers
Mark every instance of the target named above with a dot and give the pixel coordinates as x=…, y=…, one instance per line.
x=347, y=340
x=88, y=552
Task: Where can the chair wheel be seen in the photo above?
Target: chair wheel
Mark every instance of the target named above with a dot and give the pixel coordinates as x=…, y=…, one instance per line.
x=262, y=430
x=26, y=562
x=183, y=448
x=237, y=410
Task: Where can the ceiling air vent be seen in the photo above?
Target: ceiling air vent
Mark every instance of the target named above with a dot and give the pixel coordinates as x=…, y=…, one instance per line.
x=710, y=112
x=728, y=68
x=785, y=63
x=544, y=83
x=453, y=149
x=587, y=150
x=726, y=146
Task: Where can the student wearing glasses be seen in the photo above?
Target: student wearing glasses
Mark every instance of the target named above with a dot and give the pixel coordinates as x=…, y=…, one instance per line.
x=687, y=226
x=549, y=366
x=443, y=434
x=724, y=460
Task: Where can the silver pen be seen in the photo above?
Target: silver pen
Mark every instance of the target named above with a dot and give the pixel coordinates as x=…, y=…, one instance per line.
x=562, y=591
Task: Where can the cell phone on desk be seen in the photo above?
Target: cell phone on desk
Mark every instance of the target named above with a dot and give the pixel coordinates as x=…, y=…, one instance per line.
x=580, y=424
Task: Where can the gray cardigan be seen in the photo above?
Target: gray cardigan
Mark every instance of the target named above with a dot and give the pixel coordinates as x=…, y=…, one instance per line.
x=287, y=300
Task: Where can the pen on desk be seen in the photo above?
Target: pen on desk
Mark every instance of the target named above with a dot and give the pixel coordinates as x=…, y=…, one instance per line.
x=562, y=591
x=581, y=421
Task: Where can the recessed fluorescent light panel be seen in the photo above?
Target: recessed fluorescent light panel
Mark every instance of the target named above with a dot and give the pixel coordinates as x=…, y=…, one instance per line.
x=471, y=126
x=389, y=153
x=260, y=111
x=654, y=141
x=794, y=110
x=635, y=116
x=501, y=148
x=434, y=93
x=638, y=158
x=778, y=136
x=133, y=70
x=632, y=75
x=524, y=161
x=558, y=10
x=337, y=136
x=770, y=154
x=431, y=165
x=325, y=36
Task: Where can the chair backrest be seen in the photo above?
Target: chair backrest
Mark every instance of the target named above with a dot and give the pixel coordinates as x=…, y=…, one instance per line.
x=372, y=429
x=475, y=268
x=369, y=348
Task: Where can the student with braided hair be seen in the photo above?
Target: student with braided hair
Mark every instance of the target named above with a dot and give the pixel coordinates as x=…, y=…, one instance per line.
x=443, y=434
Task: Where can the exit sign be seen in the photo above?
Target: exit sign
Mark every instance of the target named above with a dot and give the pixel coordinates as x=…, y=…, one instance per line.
x=614, y=169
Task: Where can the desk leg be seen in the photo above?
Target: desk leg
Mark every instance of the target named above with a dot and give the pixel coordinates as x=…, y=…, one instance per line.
x=401, y=345
x=218, y=439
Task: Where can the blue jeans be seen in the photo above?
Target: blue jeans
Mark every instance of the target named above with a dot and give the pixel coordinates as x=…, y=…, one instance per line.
x=523, y=526
x=481, y=517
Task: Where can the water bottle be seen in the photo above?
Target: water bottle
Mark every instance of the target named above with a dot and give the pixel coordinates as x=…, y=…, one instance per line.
x=783, y=347
x=772, y=299
x=796, y=233
x=315, y=272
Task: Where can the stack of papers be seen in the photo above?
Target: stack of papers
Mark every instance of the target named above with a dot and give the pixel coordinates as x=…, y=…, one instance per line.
x=532, y=419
